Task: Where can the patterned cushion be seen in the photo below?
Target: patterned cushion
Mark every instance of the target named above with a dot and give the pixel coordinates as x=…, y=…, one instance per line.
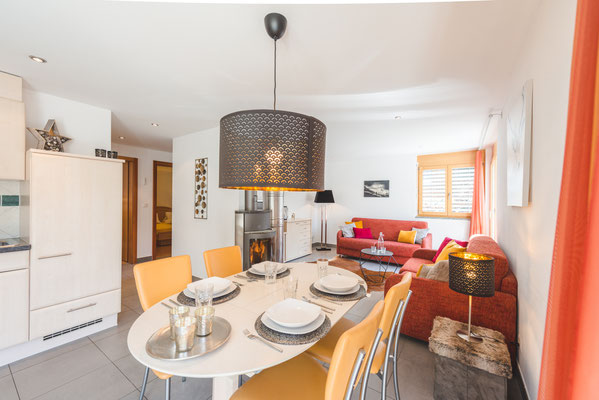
x=420, y=234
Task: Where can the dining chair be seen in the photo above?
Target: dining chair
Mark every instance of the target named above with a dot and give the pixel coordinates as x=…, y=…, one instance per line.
x=223, y=262
x=303, y=377
x=155, y=281
x=396, y=301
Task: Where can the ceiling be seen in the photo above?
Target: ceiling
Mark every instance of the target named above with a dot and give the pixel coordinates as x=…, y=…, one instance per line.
x=355, y=67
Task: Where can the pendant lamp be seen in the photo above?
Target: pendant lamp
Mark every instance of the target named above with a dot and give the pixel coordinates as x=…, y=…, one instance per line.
x=272, y=150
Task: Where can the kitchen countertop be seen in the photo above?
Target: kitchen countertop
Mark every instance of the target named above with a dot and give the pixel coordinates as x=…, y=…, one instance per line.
x=13, y=244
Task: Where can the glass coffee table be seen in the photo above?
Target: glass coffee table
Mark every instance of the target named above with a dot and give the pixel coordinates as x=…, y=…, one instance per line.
x=384, y=261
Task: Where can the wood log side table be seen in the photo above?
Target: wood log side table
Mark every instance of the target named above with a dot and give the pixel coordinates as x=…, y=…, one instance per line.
x=467, y=370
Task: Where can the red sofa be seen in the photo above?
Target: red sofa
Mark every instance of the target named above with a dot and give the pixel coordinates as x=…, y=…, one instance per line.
x=431, y=298
x=390, y=228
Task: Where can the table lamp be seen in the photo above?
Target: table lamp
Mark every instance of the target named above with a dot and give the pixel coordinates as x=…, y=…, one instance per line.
x=474, y=275
x=325, y=197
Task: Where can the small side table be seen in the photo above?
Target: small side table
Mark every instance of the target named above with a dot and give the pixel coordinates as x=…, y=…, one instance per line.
x=378, y=257
x=467, y=370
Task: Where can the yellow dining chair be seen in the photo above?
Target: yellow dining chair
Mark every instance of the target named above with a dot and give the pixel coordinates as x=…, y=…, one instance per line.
x=155, y=281
x=303, y=377
x=223, y=262
x=396, y=301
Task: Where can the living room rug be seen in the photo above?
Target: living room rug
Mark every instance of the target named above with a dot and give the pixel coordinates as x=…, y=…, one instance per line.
x=354, y=266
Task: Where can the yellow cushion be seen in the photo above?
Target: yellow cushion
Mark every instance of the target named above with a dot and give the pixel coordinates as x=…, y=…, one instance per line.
x=407, y=236
x=358, y=224
x=300, y=378
x=451, y=247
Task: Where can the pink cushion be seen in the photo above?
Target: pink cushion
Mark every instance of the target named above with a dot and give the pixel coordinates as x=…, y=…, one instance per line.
x=444, y=242
x=364, y=233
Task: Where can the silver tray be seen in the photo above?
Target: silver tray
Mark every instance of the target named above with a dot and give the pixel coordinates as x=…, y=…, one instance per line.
x=161, y=346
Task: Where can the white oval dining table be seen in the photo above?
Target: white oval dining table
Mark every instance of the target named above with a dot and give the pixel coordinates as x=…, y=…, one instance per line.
x=239, y=355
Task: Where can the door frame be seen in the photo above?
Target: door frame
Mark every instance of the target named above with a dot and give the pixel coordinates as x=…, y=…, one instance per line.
x=154, y=195
x=131, y=257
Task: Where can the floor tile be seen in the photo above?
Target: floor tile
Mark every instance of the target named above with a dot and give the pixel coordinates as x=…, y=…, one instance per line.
x=191, y=389
x=51, y=374
x=125, y=320
x=132, y=396
x=416, y=351
x=48, y=354
x=133, y=303
x=4, y=371
x=364, y=306
x=133, y=370
x=8, y=391
x=105, y=383
x=114, y=346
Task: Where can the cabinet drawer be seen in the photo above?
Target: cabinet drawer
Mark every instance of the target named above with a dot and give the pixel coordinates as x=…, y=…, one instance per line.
x=66, y=315
x=14, y=307
x=14, y=260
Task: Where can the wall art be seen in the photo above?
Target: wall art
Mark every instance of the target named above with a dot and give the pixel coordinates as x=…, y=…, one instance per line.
x=201, y=189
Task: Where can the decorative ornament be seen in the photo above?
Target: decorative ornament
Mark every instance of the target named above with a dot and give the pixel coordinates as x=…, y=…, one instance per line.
x=49, y=138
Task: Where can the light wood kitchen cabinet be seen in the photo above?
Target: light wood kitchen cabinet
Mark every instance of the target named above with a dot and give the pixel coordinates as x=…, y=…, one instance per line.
x=75, y=216
x=298, y=238
x=14, y=298
x=12, y=137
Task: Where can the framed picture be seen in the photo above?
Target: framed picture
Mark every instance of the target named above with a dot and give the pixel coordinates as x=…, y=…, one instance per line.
x=519, y=132
x=376, y=188
x=201, y=189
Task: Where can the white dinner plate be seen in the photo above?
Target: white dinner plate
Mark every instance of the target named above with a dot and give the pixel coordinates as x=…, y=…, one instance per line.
x=228, y=290
x=318, y=286
x=220, y=285
x=293, y=313
x=259, y=269
x=338, y=283
x=302, y=330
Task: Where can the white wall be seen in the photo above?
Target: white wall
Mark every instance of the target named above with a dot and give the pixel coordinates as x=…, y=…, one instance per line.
x=526, y=234
x=194, y=236
x=88, y=126
x=146, y=158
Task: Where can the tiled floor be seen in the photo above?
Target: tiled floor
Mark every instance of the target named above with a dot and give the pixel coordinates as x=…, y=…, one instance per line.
x=100, y=366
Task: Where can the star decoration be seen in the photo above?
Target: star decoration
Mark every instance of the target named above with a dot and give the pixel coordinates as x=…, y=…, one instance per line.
x=49, y=138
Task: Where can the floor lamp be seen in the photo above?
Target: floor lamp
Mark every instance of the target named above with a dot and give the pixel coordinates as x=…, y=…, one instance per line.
x=325, y=197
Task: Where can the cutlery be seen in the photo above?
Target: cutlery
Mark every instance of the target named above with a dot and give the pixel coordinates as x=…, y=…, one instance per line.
x=175, y=303
x=238, y=284
x=322, y=297
x=266, y=342
x=166, y=305
x=324, y=308
x=246, y=278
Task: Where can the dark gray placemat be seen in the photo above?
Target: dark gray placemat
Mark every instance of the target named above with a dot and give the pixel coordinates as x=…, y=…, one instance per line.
x=285, y=338
x=188, y=301
x=341, y=297
x=279, y=275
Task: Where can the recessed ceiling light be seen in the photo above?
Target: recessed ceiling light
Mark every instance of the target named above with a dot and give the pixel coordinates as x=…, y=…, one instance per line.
x=154, y=124
x=38, y=59
x=397, y=117
x=122, y=137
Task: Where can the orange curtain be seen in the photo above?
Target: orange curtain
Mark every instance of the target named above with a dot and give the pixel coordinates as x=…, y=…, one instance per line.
x=570, y=366
x=478, y=219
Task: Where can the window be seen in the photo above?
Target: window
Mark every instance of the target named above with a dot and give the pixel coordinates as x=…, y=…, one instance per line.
x=446, y=184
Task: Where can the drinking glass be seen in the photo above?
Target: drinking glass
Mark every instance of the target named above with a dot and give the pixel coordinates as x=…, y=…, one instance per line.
x=175, y=314
x=185, y=331
x=323, y=265
x=290, y=287
x=204, y=316
x=373, y=249
x=270, y=269
x=204, y=294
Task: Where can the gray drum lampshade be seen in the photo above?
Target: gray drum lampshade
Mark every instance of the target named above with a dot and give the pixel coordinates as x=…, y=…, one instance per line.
x=271, y=150
x=472, y=274
x=326, y=196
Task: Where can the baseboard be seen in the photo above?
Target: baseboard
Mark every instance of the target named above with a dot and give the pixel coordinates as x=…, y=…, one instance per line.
x=144, y=259
x=524, y=392
x=318, y=244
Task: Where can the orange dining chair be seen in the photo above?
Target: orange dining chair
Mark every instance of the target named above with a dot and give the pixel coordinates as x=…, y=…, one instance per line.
x=396, y=301
x=303, y=377
x=223, y=262
x=155, y=281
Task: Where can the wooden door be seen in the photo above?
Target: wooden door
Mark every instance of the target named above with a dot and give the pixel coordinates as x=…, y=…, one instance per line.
x=129, y=239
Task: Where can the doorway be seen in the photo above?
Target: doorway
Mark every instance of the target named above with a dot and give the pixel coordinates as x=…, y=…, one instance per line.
x=162, y=207
x=129, y=236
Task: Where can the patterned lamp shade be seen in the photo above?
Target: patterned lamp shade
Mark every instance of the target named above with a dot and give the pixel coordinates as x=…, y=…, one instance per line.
x=271, y=150
x=472, y=274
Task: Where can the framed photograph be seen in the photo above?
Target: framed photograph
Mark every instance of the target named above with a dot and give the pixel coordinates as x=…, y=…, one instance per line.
x=201, y=189
x=519, y=132
x=376, y=188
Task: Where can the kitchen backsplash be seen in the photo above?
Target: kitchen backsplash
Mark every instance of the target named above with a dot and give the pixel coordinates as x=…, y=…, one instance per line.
x=9, y=209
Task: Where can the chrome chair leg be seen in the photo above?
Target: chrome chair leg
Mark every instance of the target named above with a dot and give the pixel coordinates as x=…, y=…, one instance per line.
x=354, y=374
x=143, y=385
x=375, y=344
x=167, y=384
x=390, y=340
x=396, y=347
x=240, y=380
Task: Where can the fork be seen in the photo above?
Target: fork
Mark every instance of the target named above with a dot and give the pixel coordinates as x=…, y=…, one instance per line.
x=246, y=278
x=324, y=308
x=175, y=303
x=324, y=298
x=266, y=342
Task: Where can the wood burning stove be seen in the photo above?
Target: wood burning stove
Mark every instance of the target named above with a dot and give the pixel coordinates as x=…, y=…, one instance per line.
x=254, y=235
